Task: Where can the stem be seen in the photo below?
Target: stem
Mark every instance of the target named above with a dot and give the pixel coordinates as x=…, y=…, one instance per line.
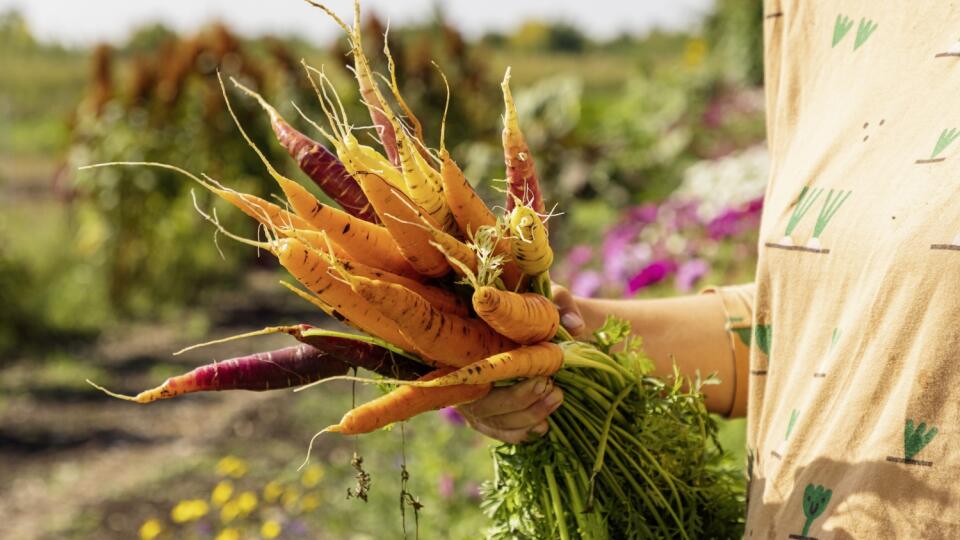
x=602, y=447
x=572, y=359
x=557, y=503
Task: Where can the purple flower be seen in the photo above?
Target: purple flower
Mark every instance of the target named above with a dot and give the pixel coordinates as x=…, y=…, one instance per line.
x=650, y=274
x=642, y=215
x=578, y=256
x=689, y=273
x=614, y=249
x=586, y=283
x=452, y=416
x=445, y=486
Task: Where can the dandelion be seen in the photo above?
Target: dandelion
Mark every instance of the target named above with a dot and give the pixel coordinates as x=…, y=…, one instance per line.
x=221, y=493
x=189, y=510
x=272, y=491
x=232, y=466
x=312, y=476
x=150, y=529
x=228, y=534
x=270, y=529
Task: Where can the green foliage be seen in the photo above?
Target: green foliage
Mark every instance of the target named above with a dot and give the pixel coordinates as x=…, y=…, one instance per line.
x=631, y=456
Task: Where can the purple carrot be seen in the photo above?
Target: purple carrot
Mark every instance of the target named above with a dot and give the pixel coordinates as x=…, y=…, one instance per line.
x=321, y=165
x=522, y=184
x=327, y=356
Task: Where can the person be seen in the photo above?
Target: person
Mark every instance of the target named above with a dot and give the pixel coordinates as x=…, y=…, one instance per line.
x=843, y=352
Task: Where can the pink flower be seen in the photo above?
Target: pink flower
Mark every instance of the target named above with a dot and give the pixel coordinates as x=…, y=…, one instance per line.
x=652, y=273
x=452, y=416
x=689, y=273
x=445, y=486
x=586, y=283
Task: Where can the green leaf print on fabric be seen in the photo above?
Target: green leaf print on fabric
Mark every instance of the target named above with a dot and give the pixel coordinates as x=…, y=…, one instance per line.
x=815, y=501
x=864, y=30
x=841, y=27
x=793, y=420
x=947, y=137
x=743, y=334
x=829, y=209
x=915, y=439
x=804, y=202
x=763, y=333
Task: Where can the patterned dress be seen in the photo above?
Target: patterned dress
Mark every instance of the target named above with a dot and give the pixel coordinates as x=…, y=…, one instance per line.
x=848, y=343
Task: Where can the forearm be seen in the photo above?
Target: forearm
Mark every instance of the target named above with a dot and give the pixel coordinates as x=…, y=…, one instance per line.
x=687, y=330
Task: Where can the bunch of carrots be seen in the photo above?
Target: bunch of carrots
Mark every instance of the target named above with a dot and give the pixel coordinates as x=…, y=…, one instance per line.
x=452, y=298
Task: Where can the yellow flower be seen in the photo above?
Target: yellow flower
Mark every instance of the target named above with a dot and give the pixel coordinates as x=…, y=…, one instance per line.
x=232, y=466
x=270, y=529
x=228, y=534
x=309, y=502
x=290, y=497
x=272, y=491
x=312, y=476
x=189, y=510
x=229, y=512
x=247, y=502
x=694, y=52
x=222, y=493
x=150, y=529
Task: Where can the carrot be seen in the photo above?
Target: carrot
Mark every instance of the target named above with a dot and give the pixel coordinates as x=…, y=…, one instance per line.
x=452, y=340
x=523, y=317
x=544, y=358
x=522, y=184
x=442, y=299
x=404, y=403
x=317, y=162
x=529, y=243
x=283, y=368
x=379, y=109
x=399, y=215
x=355, y=156
x=365, y=241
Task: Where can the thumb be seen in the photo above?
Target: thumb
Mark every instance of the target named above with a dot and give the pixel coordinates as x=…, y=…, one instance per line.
x=570, y=316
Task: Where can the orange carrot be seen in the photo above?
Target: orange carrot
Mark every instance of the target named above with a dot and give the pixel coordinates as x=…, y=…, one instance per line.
x=523, y=317
x=367, y=242
x=452, y=340
x=400, y=216
x=522, y=184
x=405, y=402
x=544, y=358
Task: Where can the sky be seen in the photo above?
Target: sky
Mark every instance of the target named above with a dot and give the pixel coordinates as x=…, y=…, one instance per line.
x=86, y=21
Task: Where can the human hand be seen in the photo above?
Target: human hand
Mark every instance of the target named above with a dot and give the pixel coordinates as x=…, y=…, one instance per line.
x=516, y=413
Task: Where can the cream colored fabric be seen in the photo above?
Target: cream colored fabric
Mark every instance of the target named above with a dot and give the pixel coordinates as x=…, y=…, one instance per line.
x=854, y=363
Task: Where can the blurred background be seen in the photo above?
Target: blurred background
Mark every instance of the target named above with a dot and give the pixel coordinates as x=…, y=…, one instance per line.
x=646, y=123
